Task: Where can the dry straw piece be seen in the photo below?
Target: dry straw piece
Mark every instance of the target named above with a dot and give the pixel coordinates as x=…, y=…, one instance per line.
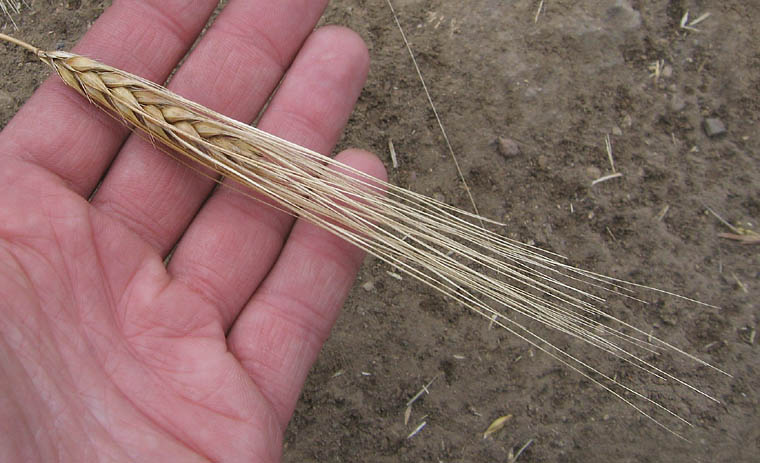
x=520, y=288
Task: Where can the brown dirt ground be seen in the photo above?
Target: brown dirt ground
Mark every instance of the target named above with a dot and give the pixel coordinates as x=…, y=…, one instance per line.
x=555, y=87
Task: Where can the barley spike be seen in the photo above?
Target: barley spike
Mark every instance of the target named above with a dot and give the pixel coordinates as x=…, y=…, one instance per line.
x=514, y=285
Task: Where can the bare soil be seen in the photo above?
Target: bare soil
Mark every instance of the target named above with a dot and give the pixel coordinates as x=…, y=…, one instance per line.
x=554, y=89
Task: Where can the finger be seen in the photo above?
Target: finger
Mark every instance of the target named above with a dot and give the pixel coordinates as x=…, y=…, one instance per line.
x=146, y=38
x=233, y=70
x=278, y=335
x=234, y=240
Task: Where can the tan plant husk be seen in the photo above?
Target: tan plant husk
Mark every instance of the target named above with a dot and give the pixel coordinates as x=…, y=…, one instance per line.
x=510, y=283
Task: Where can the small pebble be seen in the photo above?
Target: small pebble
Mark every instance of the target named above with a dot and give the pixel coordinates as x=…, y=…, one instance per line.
x=713, y=127
x=593, y=172
x=368, y=286
x=6, y=99
x=508, y=147
x=667, y=71
x=531, y=92
x=677, y=103
x=617, y=131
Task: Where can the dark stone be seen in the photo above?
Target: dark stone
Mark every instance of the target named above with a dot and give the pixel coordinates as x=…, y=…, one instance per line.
x=508, y=147
x=713, y=127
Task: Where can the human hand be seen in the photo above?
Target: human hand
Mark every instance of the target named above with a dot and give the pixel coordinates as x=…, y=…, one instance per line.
x=105, y=352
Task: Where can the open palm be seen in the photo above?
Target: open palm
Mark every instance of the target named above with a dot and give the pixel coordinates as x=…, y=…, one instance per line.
x=105, y=352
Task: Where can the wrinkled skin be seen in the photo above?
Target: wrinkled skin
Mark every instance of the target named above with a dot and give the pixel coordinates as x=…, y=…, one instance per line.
x=105, y=352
